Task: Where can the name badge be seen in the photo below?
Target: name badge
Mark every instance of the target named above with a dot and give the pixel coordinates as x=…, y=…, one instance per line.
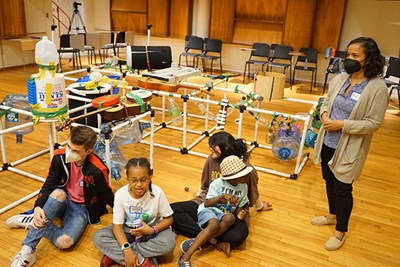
x=355, y=96
x=81, y=183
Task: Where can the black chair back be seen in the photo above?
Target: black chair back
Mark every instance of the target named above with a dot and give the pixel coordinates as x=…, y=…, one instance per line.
x=310, y=54
x=64, y=41
x=195, y=43
x=260, y=50
x=393, y=68
x=120, y=37
x=341, y=54
x=282, y=52
x=213, y=45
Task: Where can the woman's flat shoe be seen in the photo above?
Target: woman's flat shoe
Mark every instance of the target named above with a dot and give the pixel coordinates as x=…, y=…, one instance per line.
x=322, y=220
x=334, y=243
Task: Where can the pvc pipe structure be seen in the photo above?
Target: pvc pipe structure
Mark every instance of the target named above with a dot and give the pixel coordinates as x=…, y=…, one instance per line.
x=301, y=159
x=16, y=203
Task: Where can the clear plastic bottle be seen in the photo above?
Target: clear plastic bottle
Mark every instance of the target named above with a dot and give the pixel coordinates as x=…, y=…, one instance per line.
x=306, y=64
x=174, y=112
x=115, y=171
x=13, y=119
x=204, y=111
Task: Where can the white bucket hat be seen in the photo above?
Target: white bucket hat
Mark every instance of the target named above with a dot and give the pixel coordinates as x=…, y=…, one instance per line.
x=233, y=167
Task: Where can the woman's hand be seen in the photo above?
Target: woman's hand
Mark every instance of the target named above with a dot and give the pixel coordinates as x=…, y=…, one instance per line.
x=333, y=125
x=243, y=213
x=39, y=218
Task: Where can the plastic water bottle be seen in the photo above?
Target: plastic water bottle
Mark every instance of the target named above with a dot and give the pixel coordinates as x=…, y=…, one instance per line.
x=332, y=52
x=203, y=110
x=13, y=119
x=328, y=51
x=145, y=218
x=174, y=112
x=306, y=64
x=115, y=171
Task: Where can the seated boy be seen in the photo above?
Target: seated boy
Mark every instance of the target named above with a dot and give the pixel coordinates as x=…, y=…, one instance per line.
x=227, y=195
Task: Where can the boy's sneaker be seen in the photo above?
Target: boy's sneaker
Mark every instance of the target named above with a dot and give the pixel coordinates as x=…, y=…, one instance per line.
x=184, y=263
x=20, y=221
x=185, y=245
x=23, y=260
x=106, y=261
x=146, y=262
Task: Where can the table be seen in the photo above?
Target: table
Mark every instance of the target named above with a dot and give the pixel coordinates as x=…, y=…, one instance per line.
x=25, y=44
x=294, y=55
x=244, y=49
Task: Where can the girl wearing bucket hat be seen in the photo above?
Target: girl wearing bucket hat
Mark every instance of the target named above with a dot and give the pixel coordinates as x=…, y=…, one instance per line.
x=222, y=144
x=226, y=197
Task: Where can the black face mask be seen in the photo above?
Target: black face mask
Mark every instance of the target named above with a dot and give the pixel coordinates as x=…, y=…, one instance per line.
x=351, y=65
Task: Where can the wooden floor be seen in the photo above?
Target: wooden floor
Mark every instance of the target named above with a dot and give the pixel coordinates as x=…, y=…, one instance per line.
x=282, y=237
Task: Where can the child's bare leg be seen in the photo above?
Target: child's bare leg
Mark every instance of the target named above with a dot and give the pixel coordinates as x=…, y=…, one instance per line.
x=224, y=225
x=227, y=221
x=206, y=234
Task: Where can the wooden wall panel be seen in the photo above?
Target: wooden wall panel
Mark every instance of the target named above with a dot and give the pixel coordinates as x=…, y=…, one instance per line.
x=129, y=15
x=259, y=21
x=271, y=11
x=158, y=16
x=222, y=20
x=13, y=18
x=124, y=21
x=129, y=6
x=247, y=32
x=299, y=23
x=180, y=17
x=328, y=23
x=1, y=21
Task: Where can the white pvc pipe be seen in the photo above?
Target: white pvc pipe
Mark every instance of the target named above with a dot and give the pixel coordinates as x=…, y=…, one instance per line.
x=27, y=174
x=3, y=144
x=151, y=141
x=16, y=203
x=184, y=132
x=286, y=175
x=15, y=163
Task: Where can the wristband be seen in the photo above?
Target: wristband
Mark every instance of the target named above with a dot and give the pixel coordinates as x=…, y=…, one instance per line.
x=155, y=230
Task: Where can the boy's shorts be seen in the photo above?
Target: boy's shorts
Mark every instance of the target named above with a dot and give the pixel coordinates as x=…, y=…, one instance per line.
x=207, y=214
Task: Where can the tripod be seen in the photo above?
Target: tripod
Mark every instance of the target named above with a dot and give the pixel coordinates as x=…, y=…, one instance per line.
x=74, y=20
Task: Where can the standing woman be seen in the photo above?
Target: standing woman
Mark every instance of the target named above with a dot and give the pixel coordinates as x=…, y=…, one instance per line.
x=352, y=111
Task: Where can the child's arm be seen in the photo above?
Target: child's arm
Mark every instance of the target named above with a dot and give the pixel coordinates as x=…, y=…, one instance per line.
x=152, y=230
x=218, y=199
x=164, y=224
x=129, y=254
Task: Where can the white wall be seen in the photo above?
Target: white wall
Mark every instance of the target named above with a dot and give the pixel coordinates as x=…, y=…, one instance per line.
x=377, y=19
x=35, y=13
